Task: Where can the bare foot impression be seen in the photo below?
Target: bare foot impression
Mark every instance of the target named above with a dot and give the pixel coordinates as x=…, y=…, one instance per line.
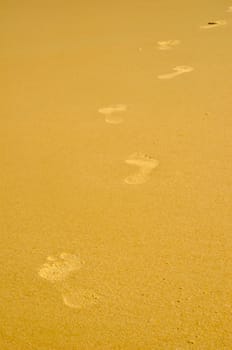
x=145, y=165
x=79, y=298
x=229, y=9
x=57, y=270
x=178, y=70
x=167, y=45
x=112, y=113
x=213, y=24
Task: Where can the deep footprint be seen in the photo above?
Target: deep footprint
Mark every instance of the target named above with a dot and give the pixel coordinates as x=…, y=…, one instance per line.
x=58, y=269
x=213, y=24
x=178, y=70
x=145, y=164
x=112, y=112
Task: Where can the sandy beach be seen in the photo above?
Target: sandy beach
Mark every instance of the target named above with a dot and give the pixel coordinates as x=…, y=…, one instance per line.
x=116, y=168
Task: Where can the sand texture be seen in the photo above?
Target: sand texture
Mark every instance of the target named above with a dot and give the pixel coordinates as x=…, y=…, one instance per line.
x=116, y=175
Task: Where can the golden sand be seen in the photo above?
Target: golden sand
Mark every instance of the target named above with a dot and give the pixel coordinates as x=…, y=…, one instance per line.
x=115, y=149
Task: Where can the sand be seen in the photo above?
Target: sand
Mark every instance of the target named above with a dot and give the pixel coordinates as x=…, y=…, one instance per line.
x=115, y=149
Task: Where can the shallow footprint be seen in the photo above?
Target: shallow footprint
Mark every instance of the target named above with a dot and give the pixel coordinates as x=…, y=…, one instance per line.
x=59, y=268
x=111, y=113
x=213, y=24
x=145, y=164
x=114, y=119
x=168, y=44
x=79, y=298
x=178, y=70
x=229, y=9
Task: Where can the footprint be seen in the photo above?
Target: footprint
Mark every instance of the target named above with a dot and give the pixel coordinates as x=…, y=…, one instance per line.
x=229, y=9
x=58, y=270
x=213, y=24
x=79, y=298
x=145, y=164
x=168, y=44
x=112, y=112
x=178, y=70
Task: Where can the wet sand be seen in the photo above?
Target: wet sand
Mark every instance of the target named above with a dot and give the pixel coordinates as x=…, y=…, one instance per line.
x=115, y=148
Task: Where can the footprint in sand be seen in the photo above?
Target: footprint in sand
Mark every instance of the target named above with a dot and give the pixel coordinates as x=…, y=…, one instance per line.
x=229, y=9
x=145, y=166
x=213, y=24
x=79, y=298
x=167, y=45
x=178, y=70
x=112, y=113
x=57, y=270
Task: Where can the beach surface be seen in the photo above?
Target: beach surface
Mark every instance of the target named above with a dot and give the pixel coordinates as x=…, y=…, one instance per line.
x=116, y=168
